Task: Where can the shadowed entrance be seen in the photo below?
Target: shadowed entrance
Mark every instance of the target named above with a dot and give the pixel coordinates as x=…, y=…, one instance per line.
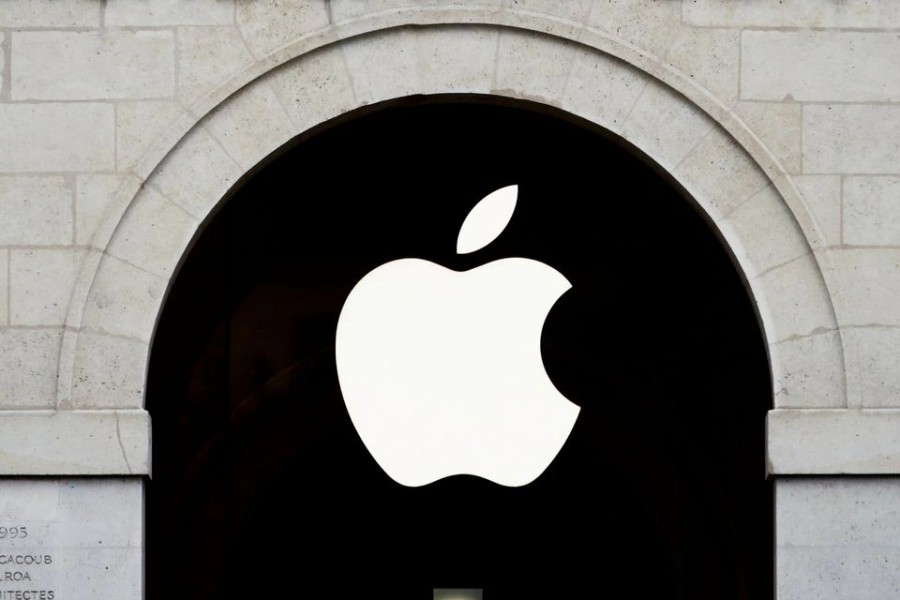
x=662, y=477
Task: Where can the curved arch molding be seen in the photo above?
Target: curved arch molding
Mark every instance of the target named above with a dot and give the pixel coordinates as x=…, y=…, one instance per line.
x=749, y=199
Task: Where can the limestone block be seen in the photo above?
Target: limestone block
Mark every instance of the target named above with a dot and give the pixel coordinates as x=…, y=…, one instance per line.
x=346, y=10
x=109, y=372
x=250, y=125
x=602, y=89
x=528, y=67
x=138, y=124
x=3, y=73
x=50, y=13
x=873, y=376
x=35, y=210
x=93, y=195
x=820, y=66
x=869, y=286
x=153, y=233
x=67, y=442
x=382, y=66
x=270, y=24
x=717, y=172
x=207, y=57
x=795, y=301
x=650, y=25
x=124, y=300
x=798, y=13
x=197, y=174
x=822, y=196
x=808, y=371
x=665, y=127
x=833, y=441
x=57, y=137
x=871, y=211
x=454, y=60
x=849, y=138
x=155, y=13
x=4, y=286
x=28, y=359
x=314, y=87
x=837, y=538
x=68, y=520
x=710, y=58
x=41, y=284
x=573, y=10
x=828, y=512
x=92, y=65
x=763, y=233
x=778, y=126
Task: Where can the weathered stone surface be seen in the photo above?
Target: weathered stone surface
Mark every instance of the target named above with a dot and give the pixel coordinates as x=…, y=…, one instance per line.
x=93, y=195
x=648, y=24
x=797, y=303
x=110, y=372
x=873, y=379
x=313, y=88
x=571, y=10
x=36, y=210
x=68, y=65
x=851, y=138
x=28, y=361
x=871, y=211
x=778, y=125
x=269, y=24
x=822, y=195
x=67, y=442
x=196, y=174
x=4, y=286
x=524, y=72
x=764, y=233
x=154, y=13
x=836, y=441
x=57, y=137
x=382, y=66
x=250, y=125
x=153, y=233
x=797, y=13
x=709, y=57
x=41, y=284
x=349, y=10
x=138, y=125
x=50, y=13
x=869, y=286
x=664, y=127
x=823, y=66
x=602, y=89
x=717, y=171
x=837, y=538
x=124, y=300
x=207, y=57
x=808, y=371
x=451, y=63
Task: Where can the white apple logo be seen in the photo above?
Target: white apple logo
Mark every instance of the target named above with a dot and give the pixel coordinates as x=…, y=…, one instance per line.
x=441, y=370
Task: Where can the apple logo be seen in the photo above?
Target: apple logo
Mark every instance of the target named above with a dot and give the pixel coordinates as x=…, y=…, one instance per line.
x=441, y=370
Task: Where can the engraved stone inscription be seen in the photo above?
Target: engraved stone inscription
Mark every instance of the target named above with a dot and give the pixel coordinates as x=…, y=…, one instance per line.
x=58, y=542
x=27, y=565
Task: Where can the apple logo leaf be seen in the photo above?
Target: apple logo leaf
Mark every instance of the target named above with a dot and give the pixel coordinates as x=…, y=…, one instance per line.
x=487, y=219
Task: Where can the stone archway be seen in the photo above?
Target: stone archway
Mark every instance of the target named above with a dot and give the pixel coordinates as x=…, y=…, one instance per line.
x=755, y=210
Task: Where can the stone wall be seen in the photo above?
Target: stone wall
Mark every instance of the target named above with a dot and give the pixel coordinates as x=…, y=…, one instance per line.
x=123, y=123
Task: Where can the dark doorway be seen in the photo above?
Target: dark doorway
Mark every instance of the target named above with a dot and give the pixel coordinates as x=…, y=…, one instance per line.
x=262, y=487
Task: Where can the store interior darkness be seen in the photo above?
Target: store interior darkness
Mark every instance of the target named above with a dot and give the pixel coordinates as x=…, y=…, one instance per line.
x=261, y=486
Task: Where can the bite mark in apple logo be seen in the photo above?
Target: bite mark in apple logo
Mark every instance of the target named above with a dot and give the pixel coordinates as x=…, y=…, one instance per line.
x=441, y=370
